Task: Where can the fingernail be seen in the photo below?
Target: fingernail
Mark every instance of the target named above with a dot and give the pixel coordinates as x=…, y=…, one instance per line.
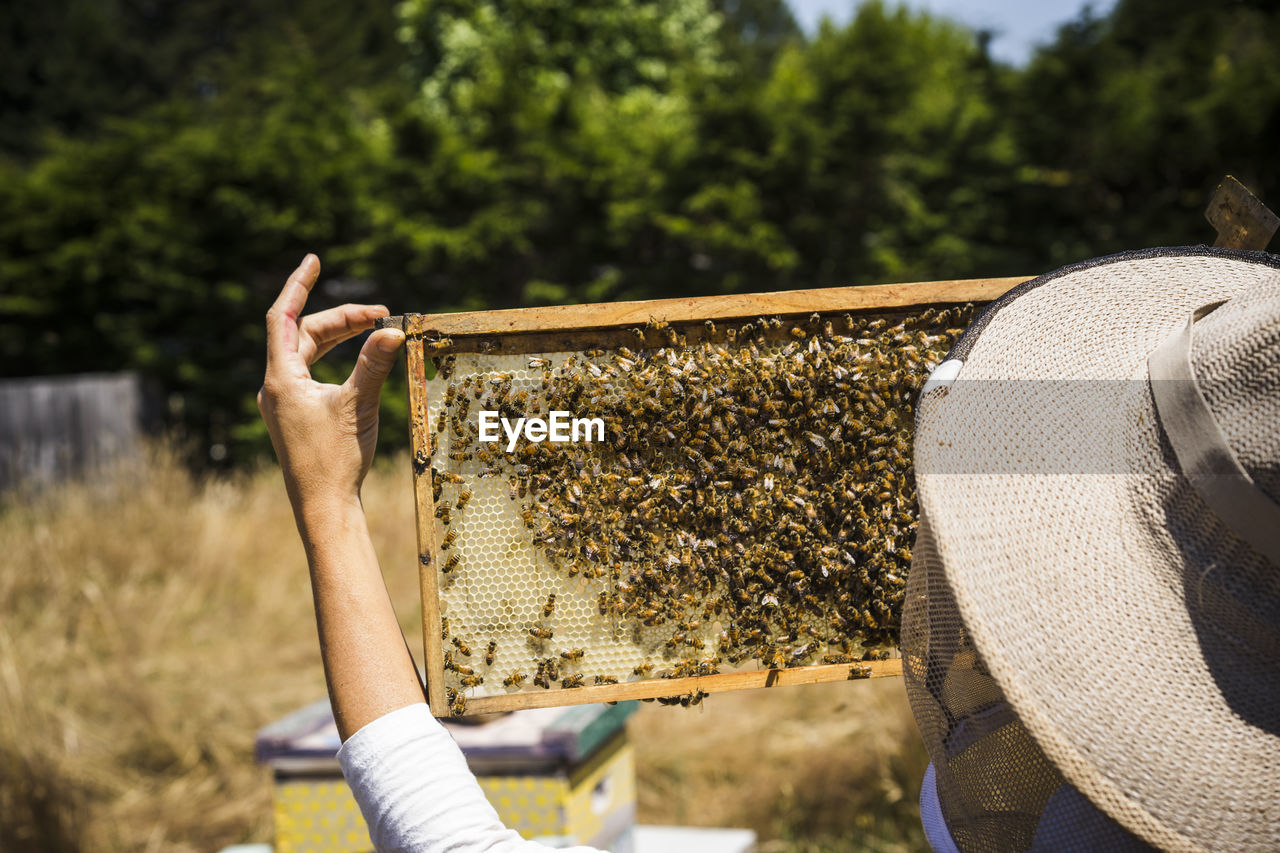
x=390, y=343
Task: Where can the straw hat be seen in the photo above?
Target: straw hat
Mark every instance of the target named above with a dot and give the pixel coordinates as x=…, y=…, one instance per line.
x=1091, y=637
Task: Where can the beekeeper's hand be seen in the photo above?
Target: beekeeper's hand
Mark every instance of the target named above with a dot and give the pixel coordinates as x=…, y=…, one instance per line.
x=324, y=435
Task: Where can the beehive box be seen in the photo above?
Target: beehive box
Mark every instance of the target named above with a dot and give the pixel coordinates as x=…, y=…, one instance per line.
x=563, y=776
x=732, y=505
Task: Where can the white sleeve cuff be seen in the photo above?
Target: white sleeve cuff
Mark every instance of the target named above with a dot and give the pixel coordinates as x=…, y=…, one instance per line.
x=935, y=825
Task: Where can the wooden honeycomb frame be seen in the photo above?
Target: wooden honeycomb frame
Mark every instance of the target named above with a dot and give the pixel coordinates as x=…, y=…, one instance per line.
x=605, y=326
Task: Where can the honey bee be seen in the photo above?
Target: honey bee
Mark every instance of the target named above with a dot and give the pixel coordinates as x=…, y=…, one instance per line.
x=450, y=564
x=571, y=681
x=458, y=706
x=471, y=680
x=572, y=654
x=448, y=540
x=643, y=669
x=606, y=679
x=515, y=679
x=462, y=647
x=438, y=345
x=801, y=652
x=541, y=633
x=463, y=499
x=550, y=606
x=491, y=652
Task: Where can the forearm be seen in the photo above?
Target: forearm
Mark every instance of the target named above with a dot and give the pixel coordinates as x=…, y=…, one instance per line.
x=409, y=777
x=367, y=665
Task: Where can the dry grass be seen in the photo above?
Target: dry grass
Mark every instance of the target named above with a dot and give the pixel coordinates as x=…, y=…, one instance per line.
x=825, y=767
x=153, y=623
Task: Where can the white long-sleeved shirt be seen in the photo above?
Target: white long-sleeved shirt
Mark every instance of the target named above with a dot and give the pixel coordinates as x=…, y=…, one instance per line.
x=417, y=793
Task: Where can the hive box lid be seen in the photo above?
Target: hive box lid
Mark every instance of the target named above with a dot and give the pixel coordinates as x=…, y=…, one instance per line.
x=533, y=740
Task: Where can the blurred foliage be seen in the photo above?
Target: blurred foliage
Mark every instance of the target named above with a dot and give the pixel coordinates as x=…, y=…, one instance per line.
x=1126, y=123
x=163, y=165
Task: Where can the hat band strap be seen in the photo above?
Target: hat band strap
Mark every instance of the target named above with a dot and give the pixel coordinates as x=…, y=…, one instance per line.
x=1205, y=456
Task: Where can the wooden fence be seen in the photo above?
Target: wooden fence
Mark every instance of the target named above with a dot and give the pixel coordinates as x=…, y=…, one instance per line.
x=52, y=428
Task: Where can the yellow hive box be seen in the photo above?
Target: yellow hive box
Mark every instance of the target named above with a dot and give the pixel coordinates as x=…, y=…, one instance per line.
x=563, y=776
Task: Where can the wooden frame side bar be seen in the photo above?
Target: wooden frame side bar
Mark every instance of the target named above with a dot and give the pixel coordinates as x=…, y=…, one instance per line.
x=424, y=500
x=656, y=687
x=560, y=318
x=1240, y=218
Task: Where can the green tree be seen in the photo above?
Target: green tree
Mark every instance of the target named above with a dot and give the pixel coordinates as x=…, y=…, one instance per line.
x=1127, y=122
x=168, y=164
x=68, y=66
x=539, y=152
x=876, y=153
x=752, y=33
x=158, y=244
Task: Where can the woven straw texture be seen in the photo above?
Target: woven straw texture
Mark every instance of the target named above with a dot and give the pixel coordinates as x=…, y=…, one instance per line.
x=1076, y=614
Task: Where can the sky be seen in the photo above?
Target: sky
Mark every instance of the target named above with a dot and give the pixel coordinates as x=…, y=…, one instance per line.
x=1018, y=25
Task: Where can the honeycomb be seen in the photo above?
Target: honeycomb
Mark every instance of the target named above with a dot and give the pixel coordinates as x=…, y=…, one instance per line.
x=751, y=504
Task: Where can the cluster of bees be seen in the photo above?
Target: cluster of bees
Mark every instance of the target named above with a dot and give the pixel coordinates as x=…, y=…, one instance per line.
x=752, y=502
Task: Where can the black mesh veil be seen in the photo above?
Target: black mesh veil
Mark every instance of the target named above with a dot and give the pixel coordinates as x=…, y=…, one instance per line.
x=996, y=789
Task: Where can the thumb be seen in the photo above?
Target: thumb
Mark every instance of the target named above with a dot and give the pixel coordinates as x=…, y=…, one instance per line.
x=377, y=357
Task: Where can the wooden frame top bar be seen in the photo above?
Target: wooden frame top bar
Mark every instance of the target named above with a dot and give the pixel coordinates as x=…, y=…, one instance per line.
x=601, y=315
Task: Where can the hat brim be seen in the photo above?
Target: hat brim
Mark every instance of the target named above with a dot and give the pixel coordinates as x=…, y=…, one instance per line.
x=1038, y=473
